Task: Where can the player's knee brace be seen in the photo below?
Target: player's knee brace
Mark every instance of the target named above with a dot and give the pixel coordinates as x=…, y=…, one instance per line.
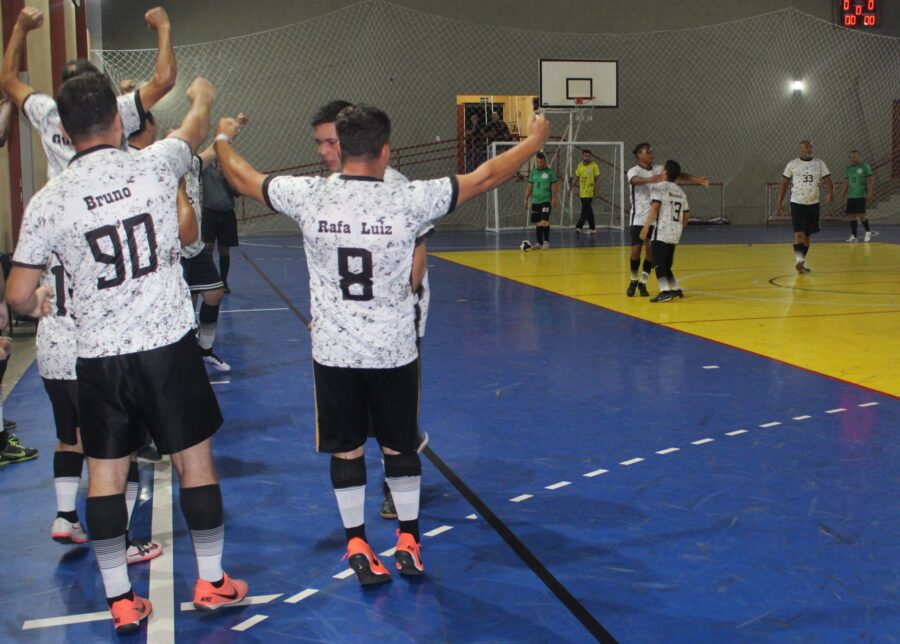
x=399, y=465
x=202, y=506
x=348, y=473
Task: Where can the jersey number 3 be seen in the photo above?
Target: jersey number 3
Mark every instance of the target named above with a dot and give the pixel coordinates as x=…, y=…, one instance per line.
x=116, y=259
x=355, y=269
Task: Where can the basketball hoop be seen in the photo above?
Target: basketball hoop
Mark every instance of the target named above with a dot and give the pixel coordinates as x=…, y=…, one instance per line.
x=581, y=101
x=587, y=103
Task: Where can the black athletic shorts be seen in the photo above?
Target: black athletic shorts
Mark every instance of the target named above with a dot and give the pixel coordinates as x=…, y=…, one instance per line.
x=346, y=397
x=200, y=273
x=540, y=212
x=219, y=228
x=805, y=218
x=165, y=390
x=856, y=206
x=636, y=235
x=63, y=396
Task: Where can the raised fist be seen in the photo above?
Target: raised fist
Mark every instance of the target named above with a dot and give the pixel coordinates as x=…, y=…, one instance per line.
x=156, y=18
x=201, y=89
x=229, y=127
x=30, y=19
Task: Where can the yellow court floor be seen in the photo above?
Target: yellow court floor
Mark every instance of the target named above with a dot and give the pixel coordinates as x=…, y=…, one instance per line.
x=841, y=320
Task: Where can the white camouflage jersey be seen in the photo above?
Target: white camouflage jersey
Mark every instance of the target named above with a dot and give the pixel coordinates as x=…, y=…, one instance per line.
x=111, y=218
x=56, y=348
x=359, y=234
x=44, y=117
x=673, y=206
x=194, y=190
x=640, y=195
x=805, y=177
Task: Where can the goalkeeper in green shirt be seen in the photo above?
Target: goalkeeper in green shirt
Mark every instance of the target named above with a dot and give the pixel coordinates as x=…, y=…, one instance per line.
x=541, y=197
x=857, y=191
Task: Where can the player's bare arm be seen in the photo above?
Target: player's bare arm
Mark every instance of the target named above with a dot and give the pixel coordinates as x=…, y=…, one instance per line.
x=554, y=192
x=782, y=189
x=419, y=267
x=640, y=181
x=651, y=220
x=689, y=179
x=25, y=294
x=163, y=79
x=499, y=169
x=188, y=229
x=29, y=19
x=242, y=176
x=209, y=154
x=829, y=187
x=528, y=189
x=195, y=125
x=6, y=111
x=845, y=190
x=870, y=180
x=685, y=219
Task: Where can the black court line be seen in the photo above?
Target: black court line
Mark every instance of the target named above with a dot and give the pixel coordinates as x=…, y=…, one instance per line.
x=572, y=604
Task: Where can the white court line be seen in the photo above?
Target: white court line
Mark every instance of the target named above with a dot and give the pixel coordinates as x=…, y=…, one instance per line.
x=835, y=411
x=669, y=450
x=703, y=441
x=472, y=516
x=161, y=624
x=249, y=623
x=591, y=475
x=631, y=461
x=388, y=553
x=218, y=382
x=299, y=597
x=343, y=574
x=47, y=622
x=711, y=366
x=801, y=417
x=251, y=600
x=521, y=497
x=437, y=531
x=244, y=243
x=871, y=404
x=736, y=432
x=556, y=486
x=774, y=423
x=283, y=308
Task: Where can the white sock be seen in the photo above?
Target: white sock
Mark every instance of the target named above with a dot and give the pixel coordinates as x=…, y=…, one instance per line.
x=663, y=284
x=352, y=504
x=208, y=547
x=405, y=492
x=66, y=492
x=113, y=565
x=131, y=495
x=207, y=335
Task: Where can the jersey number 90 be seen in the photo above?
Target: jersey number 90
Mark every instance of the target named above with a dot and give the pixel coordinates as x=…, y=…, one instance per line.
x=117, y=258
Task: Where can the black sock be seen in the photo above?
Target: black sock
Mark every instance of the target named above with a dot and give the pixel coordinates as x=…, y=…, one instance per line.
x=224, y=265
x=3, y=365
x=68, y=465
x=202, y=507
x=539, y=234
x=635, y=265
x=798, y=248
x=546, y=233
x=129, y=596
x=648, y=266
x=411, y=527
x=853, y=228
x=345, y=474
x=4, y=439
x=866, y=225
x=805, y=249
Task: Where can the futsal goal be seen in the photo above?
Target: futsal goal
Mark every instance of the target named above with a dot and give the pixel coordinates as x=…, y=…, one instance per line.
x=506, y=204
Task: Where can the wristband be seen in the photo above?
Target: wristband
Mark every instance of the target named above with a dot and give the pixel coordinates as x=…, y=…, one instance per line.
x=222, y=137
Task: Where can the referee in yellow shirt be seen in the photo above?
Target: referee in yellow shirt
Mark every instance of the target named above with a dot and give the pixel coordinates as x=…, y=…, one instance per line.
x=586, y=175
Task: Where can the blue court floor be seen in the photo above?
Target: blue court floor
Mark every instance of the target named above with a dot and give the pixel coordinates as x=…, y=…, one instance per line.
x=589, y=476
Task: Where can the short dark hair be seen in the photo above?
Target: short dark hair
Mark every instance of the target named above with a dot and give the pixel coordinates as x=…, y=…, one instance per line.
x=328, y=113
x=640, y=147
x=76, y=67
x=541, y=155
x=673, y=170
x=363, y=131
x=87, y=105
x=586, y=151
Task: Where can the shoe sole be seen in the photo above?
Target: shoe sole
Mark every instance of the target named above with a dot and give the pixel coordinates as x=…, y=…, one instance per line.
x=406, y=564
x=388, y=515
x=158, y=553
x=133, y=626
x=18, y=460
x=209, y=608
x=799, y=268
x=67, y=540
x=360, y=565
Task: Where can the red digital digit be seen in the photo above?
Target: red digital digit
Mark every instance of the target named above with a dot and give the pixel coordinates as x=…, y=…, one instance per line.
x=849, y=20
x=869, y=21
x=871, y=5
x=858, y=10
x=846, y=5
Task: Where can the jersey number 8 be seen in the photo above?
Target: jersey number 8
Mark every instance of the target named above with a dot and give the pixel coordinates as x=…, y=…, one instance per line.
x=359, y=275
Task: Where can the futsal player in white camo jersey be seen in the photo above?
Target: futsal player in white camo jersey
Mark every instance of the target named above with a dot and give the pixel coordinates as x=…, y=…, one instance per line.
x=805, y=175
x=669, y=214
x=329, y=148
x=359, y=233
x=111, y=218
x=642, y=178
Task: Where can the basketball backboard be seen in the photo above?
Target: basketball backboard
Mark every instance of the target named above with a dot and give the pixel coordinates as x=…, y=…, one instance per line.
x=564, y=81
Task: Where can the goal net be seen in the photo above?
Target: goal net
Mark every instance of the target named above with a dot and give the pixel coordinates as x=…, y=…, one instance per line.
x=506, y=203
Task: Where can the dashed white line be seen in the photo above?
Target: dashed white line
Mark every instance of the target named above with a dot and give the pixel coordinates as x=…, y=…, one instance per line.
x=521, y=497
x=835, y=411
x=591, y=475
x=65, y=619
x=437, y=531
x=220, y=382
x=736, y=432
x=631, y=461
x=869, y=404
x=711, y=366
x=801, y=417
x=303, y=594
x=252, y=600
x=669, y=450
x=556, y=486
x=250, y=623
x=472, y=516
x=774, y=423
x=343, y=574
x=703, y=441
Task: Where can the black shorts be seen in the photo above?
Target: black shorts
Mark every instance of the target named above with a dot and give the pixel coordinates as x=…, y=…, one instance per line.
x=63, y=396
x=165, y=390
x=219, y=228
x=200, y=273
x=346, y=397
x=856, y=206
x=636, y=235
x=805, y=218
x=540, y=212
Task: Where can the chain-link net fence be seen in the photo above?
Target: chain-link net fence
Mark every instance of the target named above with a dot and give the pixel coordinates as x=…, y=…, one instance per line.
x=715, y=98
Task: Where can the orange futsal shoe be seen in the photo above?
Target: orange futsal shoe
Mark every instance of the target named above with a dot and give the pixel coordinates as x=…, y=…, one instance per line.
x=364, y=563
x=127, y=614
x=408, y=555
x=208, y=597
